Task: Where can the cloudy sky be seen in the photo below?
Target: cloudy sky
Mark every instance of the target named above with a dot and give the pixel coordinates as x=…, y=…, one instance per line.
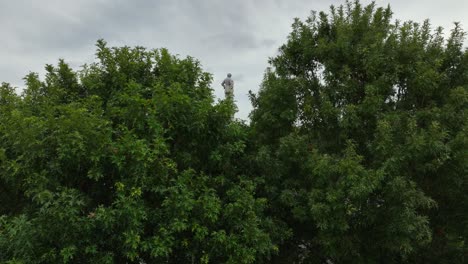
x=234, y=36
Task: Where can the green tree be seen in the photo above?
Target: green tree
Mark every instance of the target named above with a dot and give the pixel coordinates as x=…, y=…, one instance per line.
x=356, y=153
x=360, y=131
x=128, y=160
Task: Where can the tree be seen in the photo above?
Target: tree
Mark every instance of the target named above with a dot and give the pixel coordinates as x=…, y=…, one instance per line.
x=360, y=129
x=356, y=153
x=128, y=160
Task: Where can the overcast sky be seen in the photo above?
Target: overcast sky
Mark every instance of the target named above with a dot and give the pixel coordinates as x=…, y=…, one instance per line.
x=234, y=36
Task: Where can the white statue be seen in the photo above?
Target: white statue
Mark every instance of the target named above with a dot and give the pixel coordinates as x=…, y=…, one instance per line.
x=228, y=85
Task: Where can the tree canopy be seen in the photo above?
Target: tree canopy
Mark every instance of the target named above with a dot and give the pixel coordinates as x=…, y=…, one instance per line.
x=127, y=160
x=356, y=152
x=361, y=130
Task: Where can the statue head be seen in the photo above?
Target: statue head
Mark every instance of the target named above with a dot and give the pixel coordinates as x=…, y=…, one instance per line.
x=229, y=75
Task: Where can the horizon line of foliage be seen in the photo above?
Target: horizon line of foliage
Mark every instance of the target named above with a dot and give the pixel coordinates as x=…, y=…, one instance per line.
x=357, y=152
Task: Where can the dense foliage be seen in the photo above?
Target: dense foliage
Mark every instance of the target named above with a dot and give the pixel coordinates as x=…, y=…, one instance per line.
x=361, y=136
x=356, y=153
x=128, y=160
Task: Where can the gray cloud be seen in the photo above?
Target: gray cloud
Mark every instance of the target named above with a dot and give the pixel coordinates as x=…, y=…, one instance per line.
x=226, y=36
x=237, y=41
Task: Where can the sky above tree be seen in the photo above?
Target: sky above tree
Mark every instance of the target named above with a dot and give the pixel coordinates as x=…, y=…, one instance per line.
x=226, y=36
